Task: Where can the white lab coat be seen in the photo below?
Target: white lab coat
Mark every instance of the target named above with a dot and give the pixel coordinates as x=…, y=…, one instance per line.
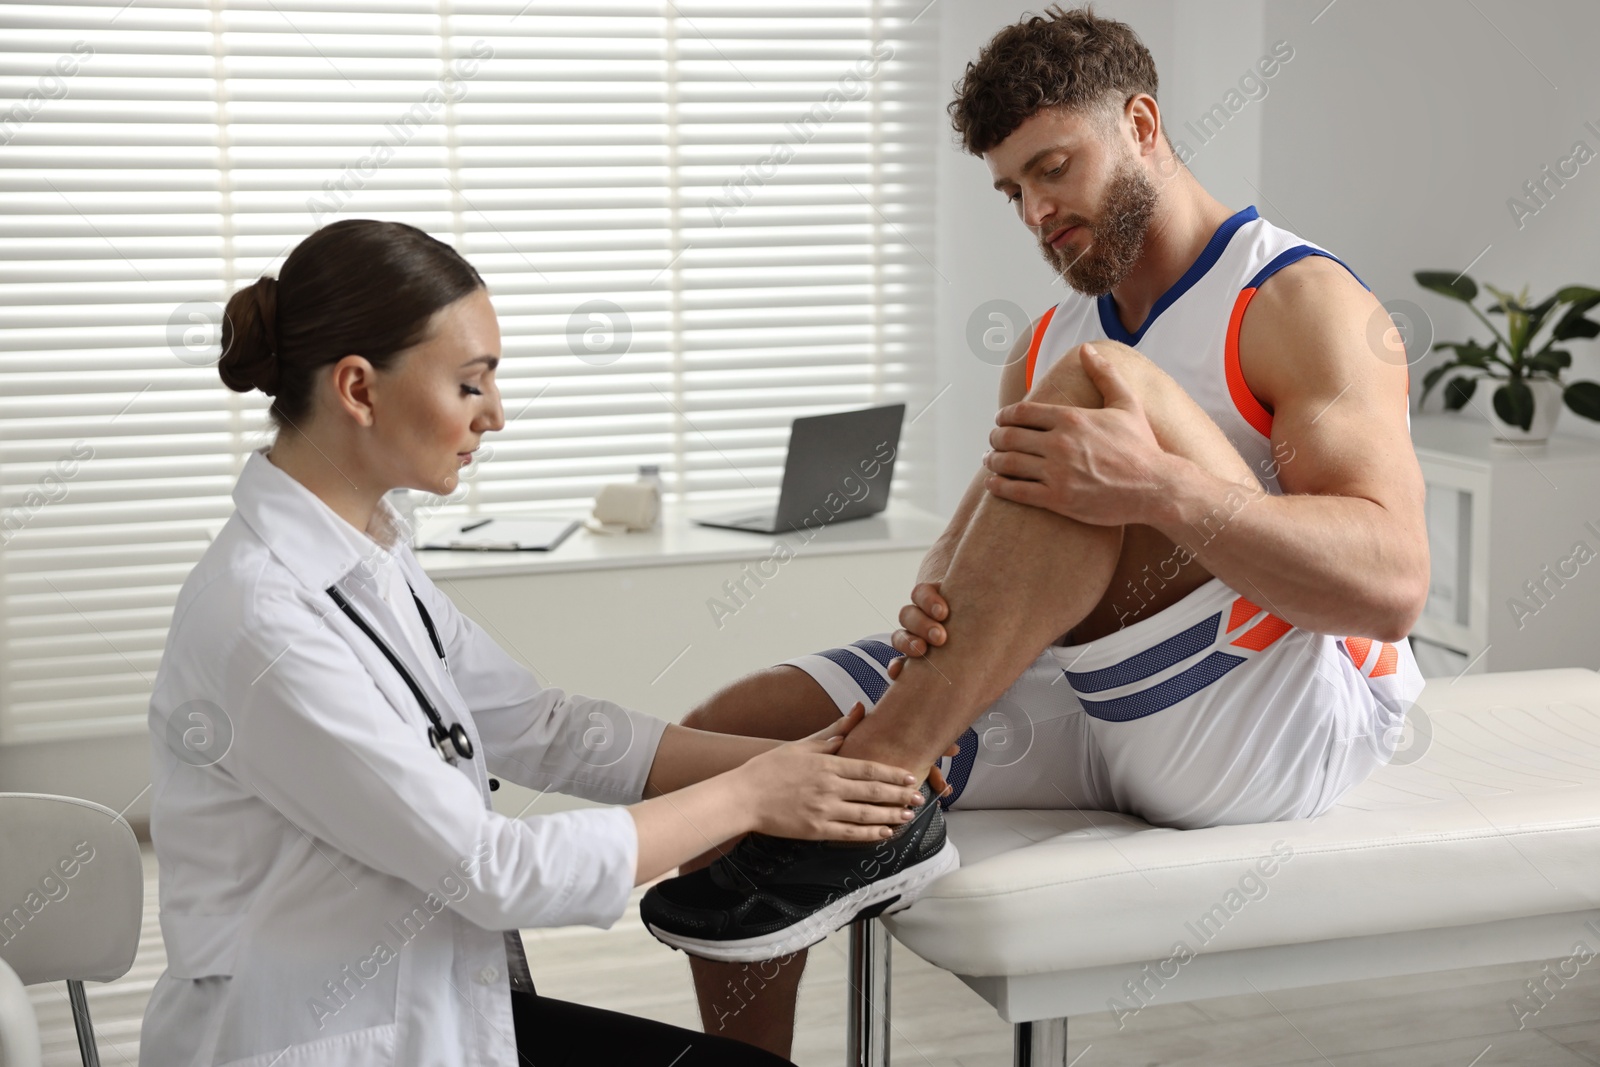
x=332, y=892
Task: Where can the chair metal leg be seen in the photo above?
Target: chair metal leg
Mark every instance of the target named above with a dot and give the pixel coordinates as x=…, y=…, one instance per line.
x=867, y=1014
x=80, y=1019
x=1041, y=1044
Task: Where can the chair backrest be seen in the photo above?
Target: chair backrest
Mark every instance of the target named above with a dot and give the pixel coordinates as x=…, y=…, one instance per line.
x=71, y=889
x=19, y=1028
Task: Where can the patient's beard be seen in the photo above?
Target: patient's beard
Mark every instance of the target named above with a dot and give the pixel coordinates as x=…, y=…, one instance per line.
x=1117, y=239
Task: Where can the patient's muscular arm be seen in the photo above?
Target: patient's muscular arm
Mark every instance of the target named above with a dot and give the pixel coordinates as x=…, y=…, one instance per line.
x=1343, y=549
x=1349, y=530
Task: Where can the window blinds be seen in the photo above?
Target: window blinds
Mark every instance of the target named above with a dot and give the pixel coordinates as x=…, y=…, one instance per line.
x=696, y=223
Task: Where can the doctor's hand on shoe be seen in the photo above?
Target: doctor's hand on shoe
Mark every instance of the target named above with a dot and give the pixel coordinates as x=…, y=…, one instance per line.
x=801, y=789
x=785, y=887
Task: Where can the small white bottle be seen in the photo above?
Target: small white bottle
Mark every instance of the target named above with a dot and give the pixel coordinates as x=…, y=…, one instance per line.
x=650, y=474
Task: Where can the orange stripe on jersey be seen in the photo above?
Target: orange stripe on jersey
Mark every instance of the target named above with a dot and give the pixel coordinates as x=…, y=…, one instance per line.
x=1388, y=661
x=1358, y=648
x=1263, y=633
x=1243, y=611
x=1038, y=336
x=1243, y=399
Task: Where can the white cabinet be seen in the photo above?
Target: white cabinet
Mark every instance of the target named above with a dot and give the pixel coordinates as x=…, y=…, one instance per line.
x=1514, y=532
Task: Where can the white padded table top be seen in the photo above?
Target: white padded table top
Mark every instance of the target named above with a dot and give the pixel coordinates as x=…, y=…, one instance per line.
x=1499, y=819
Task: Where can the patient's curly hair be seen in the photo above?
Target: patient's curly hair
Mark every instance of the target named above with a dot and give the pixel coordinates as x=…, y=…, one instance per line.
x=1071, y=59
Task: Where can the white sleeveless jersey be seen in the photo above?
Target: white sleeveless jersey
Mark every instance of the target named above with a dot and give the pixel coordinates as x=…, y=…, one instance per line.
x=1192, y=332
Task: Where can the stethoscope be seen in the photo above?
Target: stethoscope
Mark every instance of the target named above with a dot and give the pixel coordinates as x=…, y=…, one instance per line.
x=456, y=735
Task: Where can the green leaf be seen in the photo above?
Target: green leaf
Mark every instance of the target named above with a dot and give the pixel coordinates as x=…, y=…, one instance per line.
x=1448, y=283
x=1537, y=314
x=1457, y=391
x=1513, y=402
x=1517, y=332
x=1584, y=398
x=1552, y=360
x=1574, y=324
x=1579, y=294
x=1430, y=379
x=1471, y=353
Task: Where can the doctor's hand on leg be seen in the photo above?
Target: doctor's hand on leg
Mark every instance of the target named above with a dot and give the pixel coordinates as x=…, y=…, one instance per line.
x=795, y=789
x=800, y=789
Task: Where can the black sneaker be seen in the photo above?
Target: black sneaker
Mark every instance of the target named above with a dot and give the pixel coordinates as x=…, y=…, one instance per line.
x=771, y=896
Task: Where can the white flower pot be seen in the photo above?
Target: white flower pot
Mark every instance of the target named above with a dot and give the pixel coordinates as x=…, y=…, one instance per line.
x=1546, y=407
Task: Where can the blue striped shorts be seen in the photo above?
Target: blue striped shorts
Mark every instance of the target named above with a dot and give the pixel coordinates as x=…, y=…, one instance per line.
x=1212, y=711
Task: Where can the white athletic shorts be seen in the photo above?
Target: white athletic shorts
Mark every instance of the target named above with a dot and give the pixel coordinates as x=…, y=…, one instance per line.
x=1212, y=711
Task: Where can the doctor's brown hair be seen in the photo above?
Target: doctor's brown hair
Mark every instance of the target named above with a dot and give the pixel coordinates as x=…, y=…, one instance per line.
x=357, y=286
x=1068, y=59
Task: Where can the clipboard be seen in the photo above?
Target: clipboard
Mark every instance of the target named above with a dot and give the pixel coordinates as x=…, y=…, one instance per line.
x=508, y=533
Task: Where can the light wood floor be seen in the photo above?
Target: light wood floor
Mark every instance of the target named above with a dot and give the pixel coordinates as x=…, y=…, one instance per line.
x=1450, y=1019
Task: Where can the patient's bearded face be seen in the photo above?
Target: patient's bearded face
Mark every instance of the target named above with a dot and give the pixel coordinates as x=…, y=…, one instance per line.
x=1094, y=264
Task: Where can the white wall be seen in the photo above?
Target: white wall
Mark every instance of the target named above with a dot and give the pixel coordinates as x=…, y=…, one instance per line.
x=1400, y=130
x=985, y=253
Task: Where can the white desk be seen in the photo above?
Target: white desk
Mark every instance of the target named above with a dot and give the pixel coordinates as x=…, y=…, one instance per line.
x=630, y=617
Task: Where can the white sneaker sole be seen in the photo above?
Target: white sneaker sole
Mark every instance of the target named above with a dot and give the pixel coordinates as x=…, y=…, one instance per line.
x=908, y=885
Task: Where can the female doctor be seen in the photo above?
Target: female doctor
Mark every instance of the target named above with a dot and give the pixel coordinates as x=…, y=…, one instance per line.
x=335, y=888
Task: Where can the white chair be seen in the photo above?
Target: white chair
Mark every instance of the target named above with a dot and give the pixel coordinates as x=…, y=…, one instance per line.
x=72, y=894
x=1482, y=851
x=19, y=1030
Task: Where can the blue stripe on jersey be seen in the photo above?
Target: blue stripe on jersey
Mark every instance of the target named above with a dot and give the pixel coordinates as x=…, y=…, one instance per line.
x=1111, y=322
x=1295, y=255
x=879, y=651
x=1153, y=660
x=873, y=685
x=1166, y=694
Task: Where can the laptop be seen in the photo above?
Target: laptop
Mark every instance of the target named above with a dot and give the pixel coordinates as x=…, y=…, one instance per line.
x=839, y=467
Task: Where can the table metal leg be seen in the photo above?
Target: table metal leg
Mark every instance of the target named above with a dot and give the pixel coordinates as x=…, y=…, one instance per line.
x=867, y=1014
x=1041, y=1044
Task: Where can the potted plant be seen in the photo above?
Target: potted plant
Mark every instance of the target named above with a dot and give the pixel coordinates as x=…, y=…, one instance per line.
x=1527, y=401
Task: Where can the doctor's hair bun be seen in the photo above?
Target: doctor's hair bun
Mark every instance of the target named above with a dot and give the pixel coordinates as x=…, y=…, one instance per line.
x=356, y=287
x=249, y=341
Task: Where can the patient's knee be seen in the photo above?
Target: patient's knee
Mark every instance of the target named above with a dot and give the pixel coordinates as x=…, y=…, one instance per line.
x=700, y=718
x=1066, y=382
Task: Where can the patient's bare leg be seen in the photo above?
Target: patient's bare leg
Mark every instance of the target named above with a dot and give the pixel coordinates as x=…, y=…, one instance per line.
x=1021, y=577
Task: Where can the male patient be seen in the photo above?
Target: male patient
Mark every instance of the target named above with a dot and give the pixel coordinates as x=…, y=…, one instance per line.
x=1181, y=584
